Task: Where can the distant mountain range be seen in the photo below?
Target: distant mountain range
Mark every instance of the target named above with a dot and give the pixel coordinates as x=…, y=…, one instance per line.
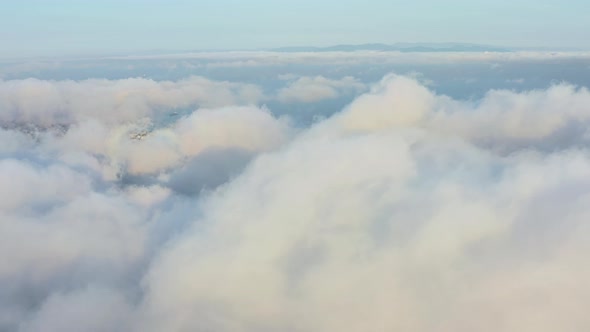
x=400, y=47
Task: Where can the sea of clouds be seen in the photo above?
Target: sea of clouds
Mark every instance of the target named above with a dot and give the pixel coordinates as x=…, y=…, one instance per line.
x=407, y=210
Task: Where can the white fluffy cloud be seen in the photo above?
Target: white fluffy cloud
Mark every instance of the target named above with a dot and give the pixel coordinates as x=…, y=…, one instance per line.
x=90, y=309
x=48, y=103
x=314, y=89
x=551, y=118
x=378, y=219
x=86, y=202
x=406, y=211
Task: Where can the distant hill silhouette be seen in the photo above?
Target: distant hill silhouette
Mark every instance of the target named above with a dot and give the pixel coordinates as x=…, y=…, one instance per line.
x=400, y=47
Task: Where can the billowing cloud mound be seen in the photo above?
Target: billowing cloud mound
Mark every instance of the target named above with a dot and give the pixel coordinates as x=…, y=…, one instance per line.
x=313, y=89
x=554, y=118
x=406, y=211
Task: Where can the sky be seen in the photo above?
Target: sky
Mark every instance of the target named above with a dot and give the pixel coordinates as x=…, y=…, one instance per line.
x=66, y=27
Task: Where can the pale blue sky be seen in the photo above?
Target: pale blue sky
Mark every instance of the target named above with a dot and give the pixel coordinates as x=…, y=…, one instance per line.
x=54, y=27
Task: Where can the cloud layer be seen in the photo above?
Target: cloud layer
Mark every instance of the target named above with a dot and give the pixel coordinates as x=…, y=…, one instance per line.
x=406, y=211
